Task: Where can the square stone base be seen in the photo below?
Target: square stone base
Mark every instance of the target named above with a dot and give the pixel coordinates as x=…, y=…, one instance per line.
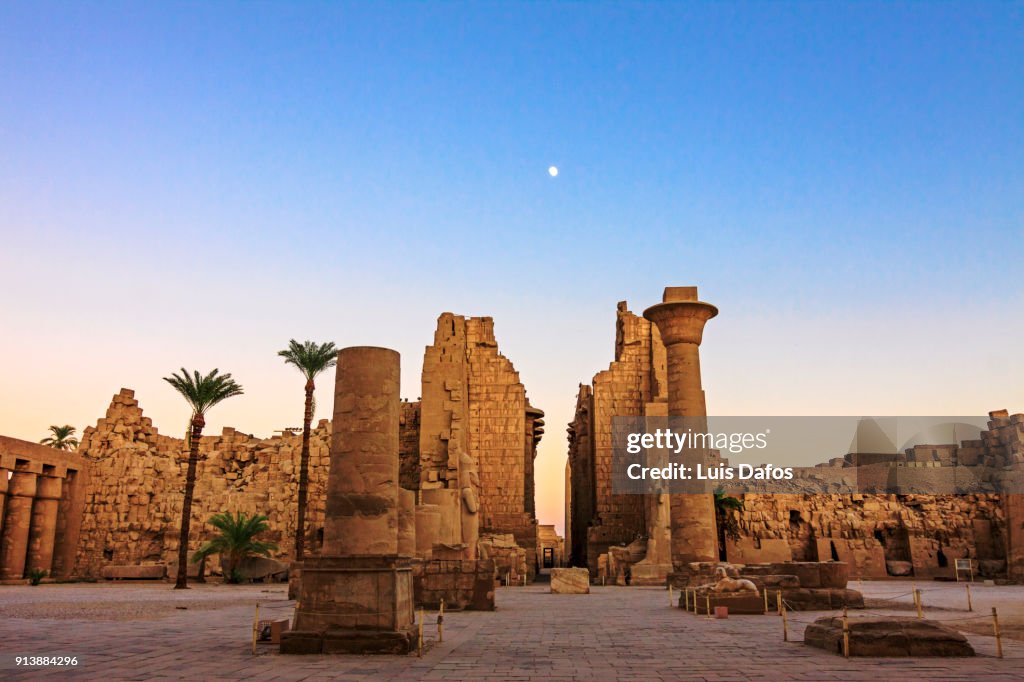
x=739, y=604
x=353, y=605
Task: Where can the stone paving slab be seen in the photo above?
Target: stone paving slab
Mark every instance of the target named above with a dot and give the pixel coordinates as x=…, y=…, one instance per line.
x=613, y=633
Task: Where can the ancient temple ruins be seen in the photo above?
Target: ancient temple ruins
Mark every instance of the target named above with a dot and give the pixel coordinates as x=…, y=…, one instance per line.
x=112, y=508
x=465, y=483
x=656, y=372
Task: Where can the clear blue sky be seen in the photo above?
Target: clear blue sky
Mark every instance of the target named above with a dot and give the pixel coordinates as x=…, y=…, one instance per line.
x=196, y=183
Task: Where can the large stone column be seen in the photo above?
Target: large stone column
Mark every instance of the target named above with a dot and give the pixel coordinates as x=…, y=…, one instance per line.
x=361, y=517
x=357, y=597
x=21, y=490
x=680, y=319
x=44, y=523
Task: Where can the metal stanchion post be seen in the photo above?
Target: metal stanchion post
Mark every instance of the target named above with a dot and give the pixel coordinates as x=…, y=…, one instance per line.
x=970, y=607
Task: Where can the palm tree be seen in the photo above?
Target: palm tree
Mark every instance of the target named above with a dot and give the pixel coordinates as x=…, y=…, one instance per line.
x=201, y=393
x=236, y=541
x=61, y=438
x=728, y=526
x=310, y=359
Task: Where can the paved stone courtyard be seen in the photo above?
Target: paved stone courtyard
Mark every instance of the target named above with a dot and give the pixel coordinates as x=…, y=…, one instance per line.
x=148, y=631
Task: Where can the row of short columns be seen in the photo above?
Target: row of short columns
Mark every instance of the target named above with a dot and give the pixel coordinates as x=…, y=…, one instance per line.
x=29, y=504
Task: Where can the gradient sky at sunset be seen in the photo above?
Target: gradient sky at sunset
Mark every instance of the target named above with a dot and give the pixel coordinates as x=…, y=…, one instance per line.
x=194, y=184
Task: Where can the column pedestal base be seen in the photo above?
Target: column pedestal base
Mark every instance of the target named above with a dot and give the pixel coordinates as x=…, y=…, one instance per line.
x=353, y=605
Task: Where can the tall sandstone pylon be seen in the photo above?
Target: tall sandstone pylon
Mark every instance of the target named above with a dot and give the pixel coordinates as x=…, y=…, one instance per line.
x=474, y=406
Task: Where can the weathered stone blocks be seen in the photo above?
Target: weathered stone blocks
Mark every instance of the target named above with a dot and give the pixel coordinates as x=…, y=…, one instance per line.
x=570, y=581
x=888, y=636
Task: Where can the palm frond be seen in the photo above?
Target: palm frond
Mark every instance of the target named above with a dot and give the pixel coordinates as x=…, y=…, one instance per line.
x=309, y=357
x=203, y=392
x=61, y=438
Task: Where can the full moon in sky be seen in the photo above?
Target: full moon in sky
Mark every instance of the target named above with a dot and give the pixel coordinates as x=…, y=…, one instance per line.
x=553, y=171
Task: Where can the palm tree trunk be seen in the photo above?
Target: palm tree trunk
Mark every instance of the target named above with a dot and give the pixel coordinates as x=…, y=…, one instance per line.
x=186, y=507
x=300, y=525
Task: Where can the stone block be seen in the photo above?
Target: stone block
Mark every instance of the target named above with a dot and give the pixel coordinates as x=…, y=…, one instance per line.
x=750, y=551
x=819, y=599
x=888, y=636
x=139, y=572
x=899, y=568
x=570, y=581
x=257, y=568
x=301, y=642
x=348, y=641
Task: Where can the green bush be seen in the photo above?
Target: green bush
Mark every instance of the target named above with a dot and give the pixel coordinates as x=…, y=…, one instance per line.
x=235, y=541
x=36, y=575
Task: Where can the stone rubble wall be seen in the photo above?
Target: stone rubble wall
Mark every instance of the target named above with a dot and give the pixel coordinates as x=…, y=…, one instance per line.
x=867, y=531
x=133, y=505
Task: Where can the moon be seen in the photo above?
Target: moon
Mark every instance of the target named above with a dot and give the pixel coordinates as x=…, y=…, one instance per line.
x=553, y=171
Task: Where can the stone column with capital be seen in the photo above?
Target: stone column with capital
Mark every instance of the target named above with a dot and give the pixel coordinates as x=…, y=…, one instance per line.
x=42, y=535
x=21, y=490
x=680, y=319
x=357, y=595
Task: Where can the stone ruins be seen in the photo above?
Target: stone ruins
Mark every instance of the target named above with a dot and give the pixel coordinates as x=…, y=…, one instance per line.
x=112, y=508
x=653, y=538
x=456, y=490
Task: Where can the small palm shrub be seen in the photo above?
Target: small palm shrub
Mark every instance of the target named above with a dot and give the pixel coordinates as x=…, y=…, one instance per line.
x=235, y=541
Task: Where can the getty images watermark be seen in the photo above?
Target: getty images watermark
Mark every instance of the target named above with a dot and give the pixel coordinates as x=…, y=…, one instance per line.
x=795, y=455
